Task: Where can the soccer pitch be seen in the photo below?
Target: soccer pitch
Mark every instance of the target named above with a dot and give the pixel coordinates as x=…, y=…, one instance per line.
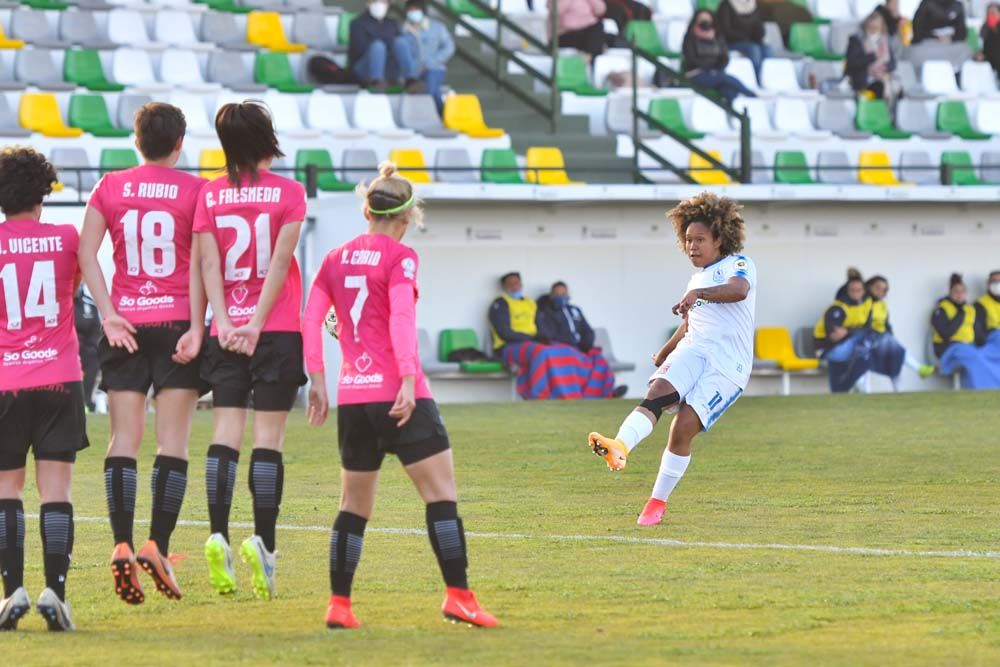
x=731, y=577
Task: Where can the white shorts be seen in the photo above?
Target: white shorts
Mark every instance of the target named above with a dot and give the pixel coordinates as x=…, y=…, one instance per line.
x=700, y=385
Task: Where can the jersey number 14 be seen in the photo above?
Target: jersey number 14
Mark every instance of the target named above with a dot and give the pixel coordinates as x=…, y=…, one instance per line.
x=40, y=301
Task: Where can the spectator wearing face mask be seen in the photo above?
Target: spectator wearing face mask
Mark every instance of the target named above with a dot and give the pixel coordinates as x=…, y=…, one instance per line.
x=953, y=326
x=432, y=47
x=988, y=314
x=378, y=53
x=870, y=61
x=990, y=35
x=706, y=55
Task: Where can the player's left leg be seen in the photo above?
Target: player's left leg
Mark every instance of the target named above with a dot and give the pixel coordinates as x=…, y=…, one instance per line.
x=54, y=479
x=15, y=603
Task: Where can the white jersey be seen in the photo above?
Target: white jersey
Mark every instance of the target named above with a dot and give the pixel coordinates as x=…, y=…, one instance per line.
x=723, y=332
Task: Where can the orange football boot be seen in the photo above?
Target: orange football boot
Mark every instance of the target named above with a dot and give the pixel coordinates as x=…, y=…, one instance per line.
x=652, y=513
x=126, y=574
x=339, y=614
x=158, y=567
x=614, y=452
x=460, y=606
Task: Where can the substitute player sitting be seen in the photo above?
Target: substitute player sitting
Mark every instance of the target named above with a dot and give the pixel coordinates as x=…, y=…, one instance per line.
x=705, y=365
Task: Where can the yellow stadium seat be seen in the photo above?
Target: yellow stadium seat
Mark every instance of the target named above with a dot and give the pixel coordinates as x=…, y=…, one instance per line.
x=212, y=163
x=7, y=43
x=39, y=112
x=463, y=113
x=549, y=162
x=883, y=175
x=775, y=344
x=411, y=164
x=265, y=29
x=709, y=177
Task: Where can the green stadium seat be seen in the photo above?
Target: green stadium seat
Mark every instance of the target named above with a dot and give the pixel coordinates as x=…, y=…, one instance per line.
x=962, y=171
x=466, y=8
x=790, y=167
x=275, y=70
x=500, y=166
x=83, y=67
x=710, y=5
x=344, y=28
x=459, y=339
x=90, y=113
x=972, y=39
x=643, y=35
x=873, y=116
x=668, y=112
x=114, y=159
x=228, y=6
x=805, y=38
x=45, y=4
x=326, y=179
x=571, y=76
x=953, y=117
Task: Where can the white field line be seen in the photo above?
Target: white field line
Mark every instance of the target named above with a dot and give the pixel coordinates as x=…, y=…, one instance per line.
x=654, y=541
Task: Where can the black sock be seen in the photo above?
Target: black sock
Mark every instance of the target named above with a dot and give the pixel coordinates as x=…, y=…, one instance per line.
x=345, y=551
x=57, y=544
x=448, y=541
x=119, y=489
x=11, y=545
x=169, y=481
x=267, y=476
x=220, y=478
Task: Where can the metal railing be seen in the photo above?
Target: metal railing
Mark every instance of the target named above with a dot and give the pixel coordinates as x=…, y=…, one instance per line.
x=501, y=53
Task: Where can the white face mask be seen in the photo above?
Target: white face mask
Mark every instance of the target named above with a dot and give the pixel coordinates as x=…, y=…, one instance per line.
x=414, y=16
x=378, y=10
x=995, y=288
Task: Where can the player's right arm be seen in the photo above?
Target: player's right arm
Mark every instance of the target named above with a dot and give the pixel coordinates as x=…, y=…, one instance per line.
x=313, y=323
x=661, y=356
x=190, y=343
x=211, y=276
x=118, y=330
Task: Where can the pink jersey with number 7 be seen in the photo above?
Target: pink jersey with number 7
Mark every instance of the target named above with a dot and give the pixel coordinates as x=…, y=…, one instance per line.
x=38, y=275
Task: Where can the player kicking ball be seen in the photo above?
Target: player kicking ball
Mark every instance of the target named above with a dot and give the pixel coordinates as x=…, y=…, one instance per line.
x=705, y=365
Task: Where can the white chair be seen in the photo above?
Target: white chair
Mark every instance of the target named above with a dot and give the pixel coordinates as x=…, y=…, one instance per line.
x=287, y=116
x=176, y=29
x=978, y=78
x=708, y=117
x=864, y=8
x=778, y=75
x=792, y=115
x=132, y=67
x=374, y=113
x=675, y=35
x=760, y=118
x=938, y=77
x=837, y=10
x=988, y=116
x=192, y=105
x=679, y=9
x=326, y=112
x=179, y=67
x=742, y=69
x=126, y=26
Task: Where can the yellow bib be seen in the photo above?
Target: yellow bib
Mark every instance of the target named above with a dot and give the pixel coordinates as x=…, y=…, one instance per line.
x=880, y=316
x=856, y=317
x=967, y=332
x=992, y=307
x=522, y=319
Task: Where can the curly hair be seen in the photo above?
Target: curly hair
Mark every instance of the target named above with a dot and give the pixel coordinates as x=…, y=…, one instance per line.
x=26, y=178
x=720, y=214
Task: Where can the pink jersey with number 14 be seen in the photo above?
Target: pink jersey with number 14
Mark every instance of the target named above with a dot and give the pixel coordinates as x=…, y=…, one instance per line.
x=372, y=283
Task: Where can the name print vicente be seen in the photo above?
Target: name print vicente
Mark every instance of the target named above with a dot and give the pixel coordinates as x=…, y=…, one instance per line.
x=32, y=246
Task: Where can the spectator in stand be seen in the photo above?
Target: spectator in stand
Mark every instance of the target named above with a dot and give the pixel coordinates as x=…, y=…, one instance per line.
x=567, y=325
x=581, y=25
x=888, y=354
x=941, y=20
x=432, y=47
x=377, y=51
x=953, y=326
x=870, y=62
x=705, y=55
x=988, y=314
x=990, y=35
x=544, y=370
x=741, y=25
x=889, y=10
x=623, y=11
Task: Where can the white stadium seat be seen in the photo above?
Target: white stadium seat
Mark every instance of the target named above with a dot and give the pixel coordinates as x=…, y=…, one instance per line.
x=938, y=77
x=708, y=117
x=837, y=10
x=133, y=67
x=373, y=113
x=978, y=78
x=287, y=116
x=126, y=26
x=988, y=116
x=195, y=113
x=326, y=112
x=742, y=69
x=760, y=119
x=792, y=115
x=175, y=28
x=778, y=75
x=179, y=67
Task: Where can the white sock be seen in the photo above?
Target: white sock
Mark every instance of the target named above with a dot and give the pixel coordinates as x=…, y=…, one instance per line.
x=911, y=362
x=634, y=429
x=672, y=468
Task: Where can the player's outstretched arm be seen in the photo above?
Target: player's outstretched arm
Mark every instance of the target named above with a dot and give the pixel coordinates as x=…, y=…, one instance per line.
x=118, y=330
x=735, y=289
x=661, y=356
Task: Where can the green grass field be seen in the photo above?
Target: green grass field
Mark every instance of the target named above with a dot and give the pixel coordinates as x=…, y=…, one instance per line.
x=556, y=554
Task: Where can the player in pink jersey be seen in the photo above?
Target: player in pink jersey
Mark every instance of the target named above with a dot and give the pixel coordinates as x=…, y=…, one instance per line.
x=41, y=394
x=248, y=224
x=153, y=328
x=384, y=404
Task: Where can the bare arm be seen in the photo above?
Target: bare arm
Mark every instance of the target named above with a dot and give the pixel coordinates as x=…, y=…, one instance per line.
x=734, y=290
x=670, y=345
x=211, y=277
x=117, y=329
x=189, y=344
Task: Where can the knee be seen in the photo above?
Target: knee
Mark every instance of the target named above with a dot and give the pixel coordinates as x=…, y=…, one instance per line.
x=376, y=48
x=661, y=396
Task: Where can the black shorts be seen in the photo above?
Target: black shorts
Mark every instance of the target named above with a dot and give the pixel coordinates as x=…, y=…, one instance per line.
x=272, y=376
x=48, y=420
x=367, y=433
x=151, y=364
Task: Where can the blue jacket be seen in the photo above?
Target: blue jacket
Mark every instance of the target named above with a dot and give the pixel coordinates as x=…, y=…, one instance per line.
x=365, y=30
x=566, y=325
x=434, y=44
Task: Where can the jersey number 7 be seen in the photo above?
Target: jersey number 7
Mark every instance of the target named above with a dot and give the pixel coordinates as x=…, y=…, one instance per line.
x=359, y=283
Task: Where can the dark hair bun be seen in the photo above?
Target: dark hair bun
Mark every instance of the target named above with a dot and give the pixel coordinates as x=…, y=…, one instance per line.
x=956, y=279
x=853, y=274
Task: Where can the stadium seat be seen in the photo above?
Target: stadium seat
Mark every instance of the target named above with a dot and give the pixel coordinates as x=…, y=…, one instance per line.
x=453, y=165
x=708, y=117
x=837, y=115
x=274, y=70
x=229, y=69
x=912, y=116
x=359, y=165
x=938, y=77
x=837, y=10
x=36, y=67
x=791, y=167
x=873, y=116
x=544, y=165
x=288, y=118
x=211, y=163
x=193, y=106
x=451, y=340
x=643, y=35
x=73, y=168
x=674, y=38
x=468, y=9
x=33, y=27
x=707, y=173
x=907, y=77
x=672, y=9
x=760, y=119
x=80, y=28
x=326, y=178
x=761, y=172
x=374, y=113
x=53, y=5
x=126, y=26
x=463, y=113
x=83, y=67
x=774, y=40
x=90, y=113
x=792, y=115
x=742, y=69
x=916, y=167
x=499, y=166
x=8, y=43
x=962, y=170
x=834, y=168
x=222, y=29
x=428, y=357
x=264, y=29
x=710, y=5
x=180, y=68
x=989, y=166
x=39, y=112
x=952, y=117
x=344, y=28
x=805, y=38
x=875, y=168
x=175, y=28
x=778, y=76
x=133, y=67
x=775, y=344
x=978, y=78
x=230, y=6
x=310, y=28
x=9, y=125
x=571, y=76
x=667, y=111
x=115, y=159
x=988, y=116
x=840, y=36
x=128, y=105
x=419, y=113
x=326, y=112
x=411, y=164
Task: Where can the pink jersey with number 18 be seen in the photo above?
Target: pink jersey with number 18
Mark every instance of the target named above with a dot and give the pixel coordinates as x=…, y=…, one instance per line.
x=38, y=275
x=245, y=220
x=149, y=212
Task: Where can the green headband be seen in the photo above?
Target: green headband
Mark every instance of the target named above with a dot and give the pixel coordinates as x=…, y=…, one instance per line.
x=390, y=211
